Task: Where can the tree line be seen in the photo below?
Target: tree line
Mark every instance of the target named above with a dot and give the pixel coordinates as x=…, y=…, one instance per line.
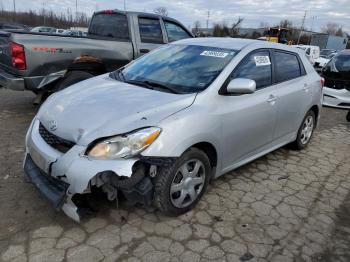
x=45, y=18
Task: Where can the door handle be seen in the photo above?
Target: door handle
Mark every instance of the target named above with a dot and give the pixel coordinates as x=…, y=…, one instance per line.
x=144, y=51
x=272, y=99
x=306, y=87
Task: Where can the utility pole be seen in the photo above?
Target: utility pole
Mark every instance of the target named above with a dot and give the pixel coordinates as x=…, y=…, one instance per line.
x=76, y=11
x=208, y=19
x=14, y=10
x=302, y=27
x=312, y=22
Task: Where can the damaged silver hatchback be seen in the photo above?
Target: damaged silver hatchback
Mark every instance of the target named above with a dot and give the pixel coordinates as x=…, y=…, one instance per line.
x=157, y=130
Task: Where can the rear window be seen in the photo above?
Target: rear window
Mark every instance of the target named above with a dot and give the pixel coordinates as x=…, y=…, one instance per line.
x=287, y=66
x=109, y=25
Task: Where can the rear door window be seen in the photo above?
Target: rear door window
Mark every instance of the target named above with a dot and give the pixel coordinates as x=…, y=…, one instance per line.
x=175, y=32
x=150, y=31
x=255, y=66
x=109, y=25
x=286, y=66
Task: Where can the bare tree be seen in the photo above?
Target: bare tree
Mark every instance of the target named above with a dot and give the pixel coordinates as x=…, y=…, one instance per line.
x=264, y=24
x=286, y=23
x=196, y=27
x=161, y=11
x=235, y=26
x=333, y=29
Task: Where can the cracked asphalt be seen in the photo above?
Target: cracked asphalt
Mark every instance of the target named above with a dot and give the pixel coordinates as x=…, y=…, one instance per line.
x=285, y=206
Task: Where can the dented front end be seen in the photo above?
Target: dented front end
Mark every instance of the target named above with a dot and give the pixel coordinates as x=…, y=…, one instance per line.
x=60, y=176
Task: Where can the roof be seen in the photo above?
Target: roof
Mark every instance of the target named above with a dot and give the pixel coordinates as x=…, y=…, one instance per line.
x=221, y=42
x=231, y=43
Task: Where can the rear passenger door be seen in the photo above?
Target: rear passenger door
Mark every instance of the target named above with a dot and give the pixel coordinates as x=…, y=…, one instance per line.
x=293, y=93
x=150, y=34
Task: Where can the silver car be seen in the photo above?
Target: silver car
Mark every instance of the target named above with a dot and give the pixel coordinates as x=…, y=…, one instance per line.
x=160, y=128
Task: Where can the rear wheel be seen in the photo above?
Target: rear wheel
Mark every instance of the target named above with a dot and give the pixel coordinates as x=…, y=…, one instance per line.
x=71, y=78
x=305, y=131
x=179, y=188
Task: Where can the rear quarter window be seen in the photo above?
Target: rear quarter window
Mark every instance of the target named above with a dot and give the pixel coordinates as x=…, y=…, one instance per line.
x=287, y=66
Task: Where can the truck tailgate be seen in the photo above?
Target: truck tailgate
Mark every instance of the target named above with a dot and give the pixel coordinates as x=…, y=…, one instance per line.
x=5, y=53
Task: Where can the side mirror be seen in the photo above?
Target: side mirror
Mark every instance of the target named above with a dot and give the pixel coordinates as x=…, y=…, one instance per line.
x=241, y=86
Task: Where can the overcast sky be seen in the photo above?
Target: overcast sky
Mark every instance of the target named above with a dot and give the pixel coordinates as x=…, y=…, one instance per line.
x=319, y=12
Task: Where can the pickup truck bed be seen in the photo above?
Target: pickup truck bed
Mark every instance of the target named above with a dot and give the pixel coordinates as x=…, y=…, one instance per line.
x=42, y=63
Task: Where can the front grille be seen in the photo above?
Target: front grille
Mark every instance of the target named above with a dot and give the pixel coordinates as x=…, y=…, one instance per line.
x=56, y=142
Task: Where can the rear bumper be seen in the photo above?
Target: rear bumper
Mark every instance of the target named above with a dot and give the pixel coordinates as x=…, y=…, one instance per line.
x=28, y=83
x=11, y=82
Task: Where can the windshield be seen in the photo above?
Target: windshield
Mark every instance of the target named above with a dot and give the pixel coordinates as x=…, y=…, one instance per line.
x=181, y=68
x=338, y=67
x=326, y=53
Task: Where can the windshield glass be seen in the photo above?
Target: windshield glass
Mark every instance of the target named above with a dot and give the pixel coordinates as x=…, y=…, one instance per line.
x=181, y=68
x=326, y=53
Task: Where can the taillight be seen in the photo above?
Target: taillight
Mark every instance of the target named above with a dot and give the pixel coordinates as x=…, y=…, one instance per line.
x=18, y=56
x=322, y=82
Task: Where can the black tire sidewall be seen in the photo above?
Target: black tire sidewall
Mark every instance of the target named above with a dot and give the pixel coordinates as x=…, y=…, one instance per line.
x=72, y=78
x=162, y=189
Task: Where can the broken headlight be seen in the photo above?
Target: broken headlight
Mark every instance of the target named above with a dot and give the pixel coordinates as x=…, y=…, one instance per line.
x=125, y=145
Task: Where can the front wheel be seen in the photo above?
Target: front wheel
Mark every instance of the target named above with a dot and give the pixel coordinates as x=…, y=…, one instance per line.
x=179, y=188
x=305, y=131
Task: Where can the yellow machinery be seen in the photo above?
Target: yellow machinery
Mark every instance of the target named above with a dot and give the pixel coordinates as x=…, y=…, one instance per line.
x=279, y=35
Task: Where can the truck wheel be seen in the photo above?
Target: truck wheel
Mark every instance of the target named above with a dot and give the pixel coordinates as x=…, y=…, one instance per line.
x=177, y=189
x=305, y=131
x=71, y=78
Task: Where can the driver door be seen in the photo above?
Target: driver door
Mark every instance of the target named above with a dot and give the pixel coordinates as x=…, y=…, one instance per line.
x=249, y=120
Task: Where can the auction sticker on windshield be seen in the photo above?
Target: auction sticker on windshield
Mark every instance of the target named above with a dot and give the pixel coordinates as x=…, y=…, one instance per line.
x=262, y=60
x=214, y=54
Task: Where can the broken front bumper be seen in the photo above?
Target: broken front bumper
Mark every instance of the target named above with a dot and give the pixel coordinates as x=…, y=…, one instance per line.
x=338, y=98
x=59, y=176
x=53, y=189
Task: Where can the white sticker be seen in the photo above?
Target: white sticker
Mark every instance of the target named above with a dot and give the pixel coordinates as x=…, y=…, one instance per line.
x=262, y=60
x=214, y=54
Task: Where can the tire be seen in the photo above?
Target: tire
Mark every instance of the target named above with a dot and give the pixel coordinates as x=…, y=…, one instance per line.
x=305, y=134
x=171, y=177
x=348, y=116
x=71, y=78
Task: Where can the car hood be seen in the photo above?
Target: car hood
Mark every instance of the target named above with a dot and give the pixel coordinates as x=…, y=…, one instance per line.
x=102, y=107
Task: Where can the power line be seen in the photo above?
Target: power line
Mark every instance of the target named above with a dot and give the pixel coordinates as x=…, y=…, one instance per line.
x=302, y=27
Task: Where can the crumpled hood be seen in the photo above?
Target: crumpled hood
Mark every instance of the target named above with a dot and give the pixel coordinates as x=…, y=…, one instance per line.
x=102, y=106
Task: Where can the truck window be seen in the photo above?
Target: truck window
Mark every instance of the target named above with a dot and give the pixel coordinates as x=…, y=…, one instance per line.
x=109, y=25
x=175, y=32
x=150, y=31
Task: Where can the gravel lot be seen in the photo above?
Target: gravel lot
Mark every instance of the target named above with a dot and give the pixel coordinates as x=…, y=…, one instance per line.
x=286, y=206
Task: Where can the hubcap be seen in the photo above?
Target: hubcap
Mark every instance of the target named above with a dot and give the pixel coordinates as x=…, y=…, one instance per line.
x=307, y=129
x=187, y=183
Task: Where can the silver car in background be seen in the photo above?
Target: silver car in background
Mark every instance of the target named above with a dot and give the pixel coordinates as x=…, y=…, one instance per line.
x=160, y=128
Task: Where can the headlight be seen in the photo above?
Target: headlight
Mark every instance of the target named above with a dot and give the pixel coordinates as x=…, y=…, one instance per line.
x=125, y=145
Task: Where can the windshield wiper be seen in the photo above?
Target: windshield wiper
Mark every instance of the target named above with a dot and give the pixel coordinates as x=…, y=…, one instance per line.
x=118, y=74
x=153, y=85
